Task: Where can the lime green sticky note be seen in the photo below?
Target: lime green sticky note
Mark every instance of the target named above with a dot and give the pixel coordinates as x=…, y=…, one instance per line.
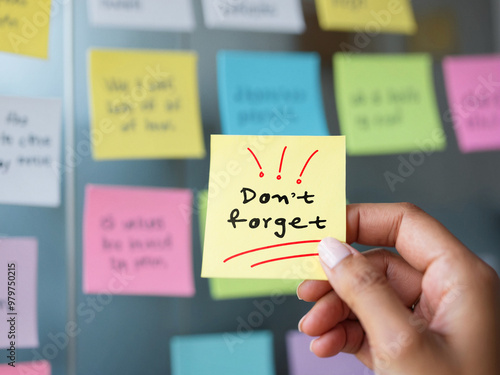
x=242, y=288
x=387, y=104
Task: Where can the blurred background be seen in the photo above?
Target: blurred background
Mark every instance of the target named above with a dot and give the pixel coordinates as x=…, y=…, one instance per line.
x=131, y=335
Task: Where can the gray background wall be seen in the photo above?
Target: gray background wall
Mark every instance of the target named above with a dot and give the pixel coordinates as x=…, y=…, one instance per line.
x=131, y=335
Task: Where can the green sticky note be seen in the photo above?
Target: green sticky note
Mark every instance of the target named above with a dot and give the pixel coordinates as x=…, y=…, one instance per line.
x=242, y=288
x=387, y=104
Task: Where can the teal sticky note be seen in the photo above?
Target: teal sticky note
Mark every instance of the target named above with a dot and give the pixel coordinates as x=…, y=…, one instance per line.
x=270, y=93
x=223, y=354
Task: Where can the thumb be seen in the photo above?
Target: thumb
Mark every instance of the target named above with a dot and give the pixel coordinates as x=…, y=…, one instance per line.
x=365, y=289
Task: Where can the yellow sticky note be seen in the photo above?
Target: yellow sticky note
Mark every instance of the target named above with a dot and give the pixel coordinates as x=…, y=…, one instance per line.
x=367, y=17
x=221, y=289
x=24, y=27
x=145, y=105
x=270, y=202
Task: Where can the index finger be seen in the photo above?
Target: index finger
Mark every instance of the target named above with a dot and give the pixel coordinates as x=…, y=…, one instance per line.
x=418, y=237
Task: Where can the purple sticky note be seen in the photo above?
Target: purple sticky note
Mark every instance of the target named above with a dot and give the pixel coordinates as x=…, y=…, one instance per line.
x=137, y=241
x=301, y=361
x=18, y=293
x=27, y=368
x=473, y=88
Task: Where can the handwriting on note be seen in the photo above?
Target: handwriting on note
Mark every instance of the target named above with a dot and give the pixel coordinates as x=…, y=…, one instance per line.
x=255, y=15
x=367, y=18
x=222, y=288
x=30, y=151
x=147, y=237
x=270, y=98
x=24, y=26
x=143, y=14
x=472, y=85
x=142, y=233
x=387, y=104
x=391, y=97
x=145, y=105
x=274, y=213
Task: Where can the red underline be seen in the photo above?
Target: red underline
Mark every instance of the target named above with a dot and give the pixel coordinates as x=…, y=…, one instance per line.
x=270, y=247
x=284, y=258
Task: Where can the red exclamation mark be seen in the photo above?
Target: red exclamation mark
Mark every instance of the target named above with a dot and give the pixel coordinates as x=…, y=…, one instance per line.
x=299, y=181
x=281, y=162
x=261, y=174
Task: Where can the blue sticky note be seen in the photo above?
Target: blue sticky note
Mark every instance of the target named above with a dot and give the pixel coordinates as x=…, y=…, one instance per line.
x=270, y=93
x=223, y=354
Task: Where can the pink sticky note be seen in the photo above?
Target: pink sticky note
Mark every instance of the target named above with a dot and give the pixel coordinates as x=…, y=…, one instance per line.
x=301, y=361
x=27, y=368
x=473, y=87
x=18, y=277
x=138, y=241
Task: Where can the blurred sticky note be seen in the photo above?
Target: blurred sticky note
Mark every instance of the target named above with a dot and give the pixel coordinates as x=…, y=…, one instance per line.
x=137, y=241
x=19, y=265
x=272, y=15
x=176, y=15
x=270, y=93
x=474, y=99
x=301, y=361
x=387, y=104
x=24, y=26
x=221, y=289
x=270, y=204
x=223, y=354
x=145, y=104
x=369, y=17
x=438, y=32
x=30, y=151
x=27, y=368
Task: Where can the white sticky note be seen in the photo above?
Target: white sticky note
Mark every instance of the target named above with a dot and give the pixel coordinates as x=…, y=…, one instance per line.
x=176, y=15
x=30, y=151
x=257, y=15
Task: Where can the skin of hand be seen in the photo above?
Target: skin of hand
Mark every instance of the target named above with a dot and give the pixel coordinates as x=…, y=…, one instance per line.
x=365, y=306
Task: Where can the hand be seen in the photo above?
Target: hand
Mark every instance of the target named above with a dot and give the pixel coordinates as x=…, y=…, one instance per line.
x=365, y=306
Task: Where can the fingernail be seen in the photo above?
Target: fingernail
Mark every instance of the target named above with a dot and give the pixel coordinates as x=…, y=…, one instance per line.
x=332, y=251
x=311, y=345
x=300, y=323
x=297, y=291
